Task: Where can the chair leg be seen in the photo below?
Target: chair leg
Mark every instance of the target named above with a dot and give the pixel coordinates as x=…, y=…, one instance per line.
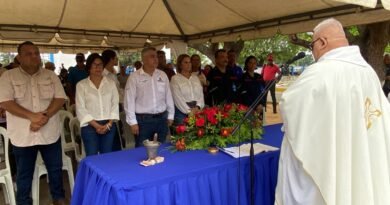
x=70, y=174
x=5, y=193
x=10, y=190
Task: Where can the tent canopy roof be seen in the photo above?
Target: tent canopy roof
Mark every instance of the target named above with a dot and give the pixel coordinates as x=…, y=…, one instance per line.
x=128, y=24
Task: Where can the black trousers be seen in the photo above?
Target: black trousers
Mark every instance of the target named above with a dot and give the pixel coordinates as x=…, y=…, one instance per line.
x=272, y=90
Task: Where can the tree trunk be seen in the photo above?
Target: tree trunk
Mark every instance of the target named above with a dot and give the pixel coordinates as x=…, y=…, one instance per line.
x=208, y=49
x=237, y=46
x=299, y=42
x=373, y=39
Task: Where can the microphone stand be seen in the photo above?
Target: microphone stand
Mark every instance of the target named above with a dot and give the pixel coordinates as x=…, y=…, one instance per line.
x=211, y=94
x=249, y=112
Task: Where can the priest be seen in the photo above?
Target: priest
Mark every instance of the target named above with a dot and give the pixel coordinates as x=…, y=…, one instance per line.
x=336, y=148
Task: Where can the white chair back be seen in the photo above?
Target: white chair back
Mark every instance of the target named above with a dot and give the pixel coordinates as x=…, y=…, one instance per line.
x=65, y=117
x=72, y=109
x=67, y=103
x=5, y=174
x=75, y=132
x=3, y=132
x=40, y=169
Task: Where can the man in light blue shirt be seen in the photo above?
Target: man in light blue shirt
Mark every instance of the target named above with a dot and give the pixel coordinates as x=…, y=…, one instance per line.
x=76, y=74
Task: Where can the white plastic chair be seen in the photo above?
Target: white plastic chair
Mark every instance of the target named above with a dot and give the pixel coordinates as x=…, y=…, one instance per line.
x=67, y=103
x=5, y=174
x=66, y=146
x=40, y=169
x=75, y=131
x=72, y=109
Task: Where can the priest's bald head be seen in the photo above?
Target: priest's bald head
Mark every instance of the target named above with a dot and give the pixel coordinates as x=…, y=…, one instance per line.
x=328, y=35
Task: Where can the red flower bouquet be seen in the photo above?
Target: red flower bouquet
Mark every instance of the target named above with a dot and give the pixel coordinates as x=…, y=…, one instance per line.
x=213, y=126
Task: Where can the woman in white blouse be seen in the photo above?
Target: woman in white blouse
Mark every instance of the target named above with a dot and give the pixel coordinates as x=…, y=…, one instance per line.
x=186, y=90
x=97, y=107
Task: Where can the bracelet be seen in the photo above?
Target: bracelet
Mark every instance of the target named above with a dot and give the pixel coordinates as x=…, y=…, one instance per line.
x=108, y=127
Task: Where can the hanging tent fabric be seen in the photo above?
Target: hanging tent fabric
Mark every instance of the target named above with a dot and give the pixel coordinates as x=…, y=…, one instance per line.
x=74, y=25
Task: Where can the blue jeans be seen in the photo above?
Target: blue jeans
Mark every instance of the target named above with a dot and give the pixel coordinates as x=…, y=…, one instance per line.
x=25, y=162
x=95, y=143
x=151, y=124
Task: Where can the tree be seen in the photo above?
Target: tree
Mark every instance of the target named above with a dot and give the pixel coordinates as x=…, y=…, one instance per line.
x=6, y=58
x=278, y=45
x=373, y=40
x=127, y=59
x=208, y=49
x=204, y=59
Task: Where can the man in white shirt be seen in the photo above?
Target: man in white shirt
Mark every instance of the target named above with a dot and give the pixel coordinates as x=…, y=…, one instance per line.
x=336, y=148
x=148, y=100
x=32, y=96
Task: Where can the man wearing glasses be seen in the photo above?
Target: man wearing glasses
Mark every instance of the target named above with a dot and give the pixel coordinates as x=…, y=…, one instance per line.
x=336, y=122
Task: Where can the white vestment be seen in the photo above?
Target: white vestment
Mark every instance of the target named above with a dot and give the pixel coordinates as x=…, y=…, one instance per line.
x=336, y=148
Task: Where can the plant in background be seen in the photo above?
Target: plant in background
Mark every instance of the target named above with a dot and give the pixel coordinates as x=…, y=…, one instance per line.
x=213, y=126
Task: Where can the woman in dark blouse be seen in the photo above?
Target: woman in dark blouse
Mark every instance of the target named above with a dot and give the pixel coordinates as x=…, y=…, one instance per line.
x=252, y=84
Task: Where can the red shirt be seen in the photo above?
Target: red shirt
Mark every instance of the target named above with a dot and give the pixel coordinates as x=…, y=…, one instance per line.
x=269, y=72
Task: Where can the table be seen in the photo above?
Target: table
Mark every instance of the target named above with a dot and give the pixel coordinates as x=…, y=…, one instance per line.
x=192, y=177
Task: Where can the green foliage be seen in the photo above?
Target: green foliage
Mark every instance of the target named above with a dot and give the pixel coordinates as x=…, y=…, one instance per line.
x=279, y=45
x=204, y=59
x=387, y=49
x=353, y=30
x=126, y=58
x=6, y=58
x=308, y=36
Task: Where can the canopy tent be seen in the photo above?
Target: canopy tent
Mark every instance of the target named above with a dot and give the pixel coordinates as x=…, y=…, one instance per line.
x=75, y=25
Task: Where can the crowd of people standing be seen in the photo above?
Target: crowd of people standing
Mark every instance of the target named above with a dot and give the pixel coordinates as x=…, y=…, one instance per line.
x=154, y=97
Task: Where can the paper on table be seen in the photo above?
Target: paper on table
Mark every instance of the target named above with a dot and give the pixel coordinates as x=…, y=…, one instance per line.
x=244, y=149
x=151, y=162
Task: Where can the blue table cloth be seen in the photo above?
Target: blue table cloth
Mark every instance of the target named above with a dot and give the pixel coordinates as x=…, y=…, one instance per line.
x=192, y=177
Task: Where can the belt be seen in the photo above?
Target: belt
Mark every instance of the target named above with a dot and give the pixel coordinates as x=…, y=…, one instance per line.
x=147, y=115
